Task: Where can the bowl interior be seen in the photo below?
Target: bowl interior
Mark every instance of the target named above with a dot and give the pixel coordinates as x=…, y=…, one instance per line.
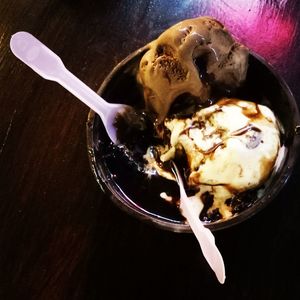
x=140, y=195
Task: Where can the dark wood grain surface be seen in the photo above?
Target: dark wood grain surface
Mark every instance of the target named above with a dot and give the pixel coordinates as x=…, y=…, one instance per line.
x=60, y=235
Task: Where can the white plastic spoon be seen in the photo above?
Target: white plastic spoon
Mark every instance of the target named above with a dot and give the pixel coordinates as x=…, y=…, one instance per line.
x=203, y=234
x=48, y=65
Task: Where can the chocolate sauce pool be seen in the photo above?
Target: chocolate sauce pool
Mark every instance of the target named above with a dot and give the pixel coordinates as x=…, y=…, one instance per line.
x=122, y=168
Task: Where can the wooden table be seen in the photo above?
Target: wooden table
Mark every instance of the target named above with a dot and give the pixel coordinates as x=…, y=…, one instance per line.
x=60, y=235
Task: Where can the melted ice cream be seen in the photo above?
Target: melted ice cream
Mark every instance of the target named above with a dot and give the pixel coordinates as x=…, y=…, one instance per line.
x=230, y=147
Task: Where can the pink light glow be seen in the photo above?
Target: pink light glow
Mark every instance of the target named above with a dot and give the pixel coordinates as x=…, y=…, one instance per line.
x=260, y=26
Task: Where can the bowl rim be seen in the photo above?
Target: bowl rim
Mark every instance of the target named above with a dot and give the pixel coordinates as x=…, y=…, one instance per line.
x=133, y=209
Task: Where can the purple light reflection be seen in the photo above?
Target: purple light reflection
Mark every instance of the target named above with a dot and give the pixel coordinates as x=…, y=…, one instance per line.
x=262, y=26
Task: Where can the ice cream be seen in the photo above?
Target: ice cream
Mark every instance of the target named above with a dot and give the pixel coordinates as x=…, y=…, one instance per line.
x=189, y=58
x=227, y=148
x=230, y=147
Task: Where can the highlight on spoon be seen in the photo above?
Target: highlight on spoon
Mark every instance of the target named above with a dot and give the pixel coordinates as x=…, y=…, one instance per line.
x=36, y=55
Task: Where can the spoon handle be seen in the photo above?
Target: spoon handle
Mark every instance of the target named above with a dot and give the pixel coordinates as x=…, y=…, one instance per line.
x=48, y=65
x=205, y=239
x=203, y=235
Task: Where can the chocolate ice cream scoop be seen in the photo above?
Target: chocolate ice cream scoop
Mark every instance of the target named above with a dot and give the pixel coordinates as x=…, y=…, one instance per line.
x=168, y=69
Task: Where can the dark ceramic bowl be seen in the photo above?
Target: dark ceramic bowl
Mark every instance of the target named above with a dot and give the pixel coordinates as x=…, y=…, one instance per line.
x=139, y=196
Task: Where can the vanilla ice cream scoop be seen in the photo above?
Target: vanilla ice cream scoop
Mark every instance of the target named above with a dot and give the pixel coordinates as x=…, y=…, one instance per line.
x=168, y=69
x=230, y=147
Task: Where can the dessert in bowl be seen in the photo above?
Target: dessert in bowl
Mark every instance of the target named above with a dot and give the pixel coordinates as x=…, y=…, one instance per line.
x=220, y=112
